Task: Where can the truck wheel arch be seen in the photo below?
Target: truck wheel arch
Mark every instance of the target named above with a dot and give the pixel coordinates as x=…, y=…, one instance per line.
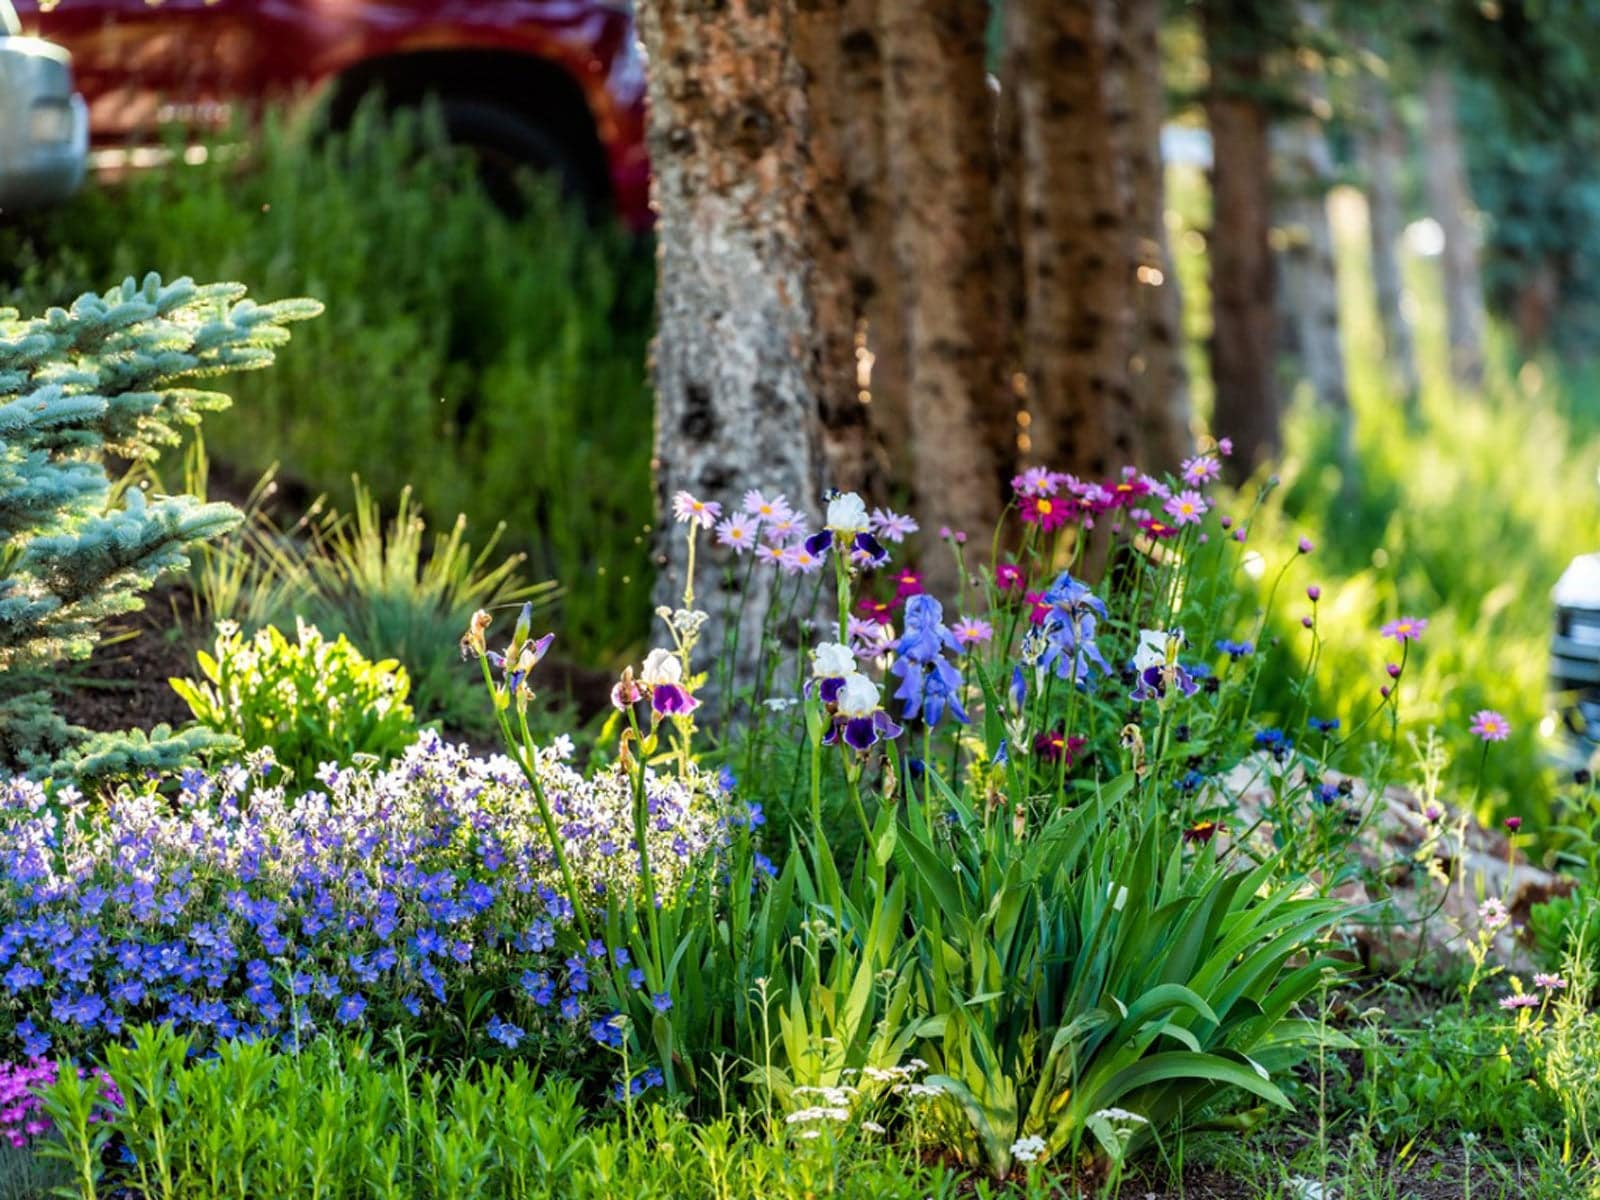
x=516, y=104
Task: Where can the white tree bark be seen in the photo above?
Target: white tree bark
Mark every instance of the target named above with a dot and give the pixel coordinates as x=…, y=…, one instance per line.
x=1450, y=199
x=734, y=361
x=1383, y=152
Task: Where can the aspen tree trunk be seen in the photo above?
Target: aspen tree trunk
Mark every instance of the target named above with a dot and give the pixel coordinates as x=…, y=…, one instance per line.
x=1383, y=152
x=1244, y=334
x=941, y=169
x=736, y=361
x=1451, y=201
x=1160, y=380
x=852, y=458
x=1309, y=280
x=1075, y=238
x=882, y=369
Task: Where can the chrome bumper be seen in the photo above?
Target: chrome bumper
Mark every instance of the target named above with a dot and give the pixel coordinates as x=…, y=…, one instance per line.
x=44, y=124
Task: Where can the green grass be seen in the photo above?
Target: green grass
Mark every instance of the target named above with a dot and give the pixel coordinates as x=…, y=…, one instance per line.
x=496, y=366
x=1464, y=512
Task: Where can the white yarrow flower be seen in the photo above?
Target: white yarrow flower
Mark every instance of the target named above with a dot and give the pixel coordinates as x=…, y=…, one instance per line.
x=1027, y=1149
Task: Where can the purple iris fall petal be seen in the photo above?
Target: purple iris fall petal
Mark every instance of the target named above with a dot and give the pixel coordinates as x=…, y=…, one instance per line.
x=869, y=546
x=830, y=689
x=885, y=725
x=860, y=732
x=670, y=700
x=817, y=544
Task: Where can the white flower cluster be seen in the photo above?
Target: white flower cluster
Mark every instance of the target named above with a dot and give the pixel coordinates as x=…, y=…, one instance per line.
x=1028, y=1149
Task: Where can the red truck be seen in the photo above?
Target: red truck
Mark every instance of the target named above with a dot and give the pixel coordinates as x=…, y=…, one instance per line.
x=556, y=85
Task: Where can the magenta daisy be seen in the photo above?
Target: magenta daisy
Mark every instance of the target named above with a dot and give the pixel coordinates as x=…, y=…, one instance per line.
x=767, y=509
x=1520, y=1000
x=772, y=555
x=1490, y=725
x=1044, y=512
x=738, y=533
x=703, y=513
x=971, y=631
x=1549, y=983
x=1406, y=629
x=892, y=526
x=1201, y=469
x=1186, y=508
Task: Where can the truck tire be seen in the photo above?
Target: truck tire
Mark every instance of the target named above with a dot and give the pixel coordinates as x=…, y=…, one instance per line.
x=507, y=147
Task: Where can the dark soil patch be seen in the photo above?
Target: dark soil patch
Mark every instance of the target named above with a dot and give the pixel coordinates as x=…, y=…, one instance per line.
x=123, y=684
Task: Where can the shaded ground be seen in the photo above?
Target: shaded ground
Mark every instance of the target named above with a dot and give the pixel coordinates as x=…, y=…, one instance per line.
x=123, y=684
x=1431, y=1174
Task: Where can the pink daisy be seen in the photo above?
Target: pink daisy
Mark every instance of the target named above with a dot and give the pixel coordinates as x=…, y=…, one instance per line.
x=971, y=631
x=1186, y=508
x=1045, y=512
x=1406, y=629
x=1201, y=469
x=892, y=526
x=767, y=509
x=737, y=533
x=797, y=560
x=1490, y=725
x=703, y=513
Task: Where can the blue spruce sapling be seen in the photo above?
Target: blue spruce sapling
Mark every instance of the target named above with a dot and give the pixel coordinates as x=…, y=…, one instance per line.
x=111, y=376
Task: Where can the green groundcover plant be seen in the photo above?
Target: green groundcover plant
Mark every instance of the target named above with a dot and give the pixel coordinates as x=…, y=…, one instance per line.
x=311, y=701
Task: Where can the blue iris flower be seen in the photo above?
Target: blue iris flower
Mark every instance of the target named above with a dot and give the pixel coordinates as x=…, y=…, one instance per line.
x=929, y=682
x=1069, y=628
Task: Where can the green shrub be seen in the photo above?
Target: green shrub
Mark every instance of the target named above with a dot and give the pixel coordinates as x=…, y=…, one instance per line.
x=310, y=700
x=496, y=365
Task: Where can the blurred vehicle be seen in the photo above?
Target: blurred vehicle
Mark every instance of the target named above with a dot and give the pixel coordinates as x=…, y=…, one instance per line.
x=552, y=85
x=43, y=123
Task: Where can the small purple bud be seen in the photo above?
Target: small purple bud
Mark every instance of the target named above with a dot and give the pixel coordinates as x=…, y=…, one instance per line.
x=1314, y=593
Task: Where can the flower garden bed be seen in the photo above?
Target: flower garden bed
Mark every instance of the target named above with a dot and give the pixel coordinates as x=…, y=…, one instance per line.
x=1014, y=890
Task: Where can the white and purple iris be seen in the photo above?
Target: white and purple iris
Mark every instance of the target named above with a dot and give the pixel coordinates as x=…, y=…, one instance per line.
x=859, y=719
x=1156, y=661
x=848, y=525
x=662, y=678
